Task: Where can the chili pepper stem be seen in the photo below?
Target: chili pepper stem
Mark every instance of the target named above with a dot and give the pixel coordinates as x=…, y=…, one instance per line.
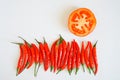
x=69, y=71
x=24, y=40
x=89, y=70
x=76, y=70
x=95, y=44
x=36, y=69
x=37, y=41
x=58, y=71
x=83, y=67
x=17, y=43
x=93, y=71
x=17, y=72
x=51, y=68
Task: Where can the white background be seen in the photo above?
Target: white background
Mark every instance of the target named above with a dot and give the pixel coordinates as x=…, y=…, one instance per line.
x=48, y=18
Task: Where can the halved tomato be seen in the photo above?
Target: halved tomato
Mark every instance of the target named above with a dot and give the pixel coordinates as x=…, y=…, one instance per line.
x=81, y=22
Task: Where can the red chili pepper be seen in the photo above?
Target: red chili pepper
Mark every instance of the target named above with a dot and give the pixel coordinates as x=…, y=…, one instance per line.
x=55, y=57
x=25, y=58
x=52, y=55
x=65, y=59
x=47, y=53
x=82, y=56
x=33, y=55
x=78, y=62
x=30, y=59
x=36, y=52
x=59, y=56
x=64, y=46
x=69, y=63
x=91, y=61
x=86, y=57
x=73, y=56
x=42, y=51
x=56, y=52
x=20, y=60
x=95, y=58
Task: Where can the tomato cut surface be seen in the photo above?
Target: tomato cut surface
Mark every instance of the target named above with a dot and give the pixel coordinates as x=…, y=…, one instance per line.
x=81, y=22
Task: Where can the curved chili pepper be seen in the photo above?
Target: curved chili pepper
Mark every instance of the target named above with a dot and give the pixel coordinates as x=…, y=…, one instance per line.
x=30, y=59
x=42, y=50
x=95, y=58
x=82, y=56
x=69, y=63
x=78, y=62
x=25, y=58
x=65, y=59
x=73, y=56
x=59, y=56
x=20, y=60
x=64, y=46
x=47, y=53
x=55, y=57
x=91, y=61
x=36, y=52
x=56, y=52
x=52, y=56
x=86, y=57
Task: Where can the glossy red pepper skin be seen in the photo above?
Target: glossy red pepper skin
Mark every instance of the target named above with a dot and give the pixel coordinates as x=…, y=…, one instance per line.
x=59, y=42
x=25, y=58
x=86, y=57
x=52, y=56
x=20, y=60
x=78, y=61
x=64, y=65
x=66, y=56
x=64, y=46
x=82, y=56
x=55, y=57
x=69, y=63
x=91, y=60
x=30, y=58
x=47, y=53
x=36, y=52
x=73, y=56
x=60, y=52
x=43, y=55
x=36, y=57
x=95, y=58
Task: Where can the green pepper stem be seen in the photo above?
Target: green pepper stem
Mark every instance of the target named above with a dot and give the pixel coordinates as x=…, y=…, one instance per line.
x=17, y=43
x=37, y=41
x=83, y=67
x=95, y=44
x=51, y=68
x=69, y=71
x=36, y=69
x=17, y=72
x=58, y=71
x=76, y=70
x=24, y=40
x=89, y=70
x=44, y=40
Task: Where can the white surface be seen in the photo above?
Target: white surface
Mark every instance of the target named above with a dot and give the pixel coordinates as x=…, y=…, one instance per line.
x=37, y=18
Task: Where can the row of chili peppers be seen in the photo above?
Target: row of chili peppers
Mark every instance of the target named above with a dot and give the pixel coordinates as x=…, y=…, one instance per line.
x=61, y=55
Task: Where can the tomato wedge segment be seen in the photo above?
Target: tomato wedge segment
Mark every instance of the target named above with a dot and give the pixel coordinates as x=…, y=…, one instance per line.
x=81, y=22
